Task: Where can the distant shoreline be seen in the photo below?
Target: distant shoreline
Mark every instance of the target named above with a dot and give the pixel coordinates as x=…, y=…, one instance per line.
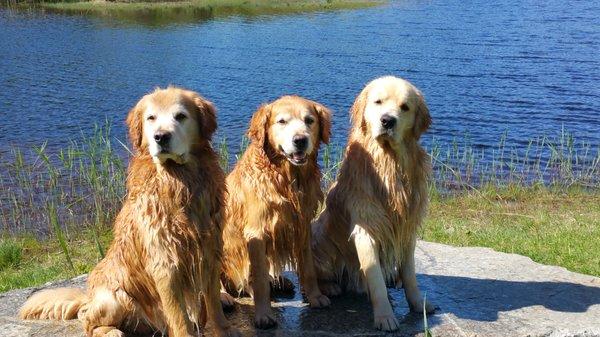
x=165, y=11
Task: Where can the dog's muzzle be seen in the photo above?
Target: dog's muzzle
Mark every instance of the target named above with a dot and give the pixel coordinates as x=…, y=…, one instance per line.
x=297, y=157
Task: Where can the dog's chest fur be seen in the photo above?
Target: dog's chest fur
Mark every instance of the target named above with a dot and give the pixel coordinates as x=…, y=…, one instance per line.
x=385, y=195
x=162, y=226
x=167, y=238
x=285, y=197
x=292, y=207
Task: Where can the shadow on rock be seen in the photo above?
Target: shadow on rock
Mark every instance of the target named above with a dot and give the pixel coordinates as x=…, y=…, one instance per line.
x=348, y=314
x=484, y=299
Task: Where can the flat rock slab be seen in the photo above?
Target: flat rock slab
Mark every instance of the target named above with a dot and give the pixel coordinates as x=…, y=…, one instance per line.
x=480, y=292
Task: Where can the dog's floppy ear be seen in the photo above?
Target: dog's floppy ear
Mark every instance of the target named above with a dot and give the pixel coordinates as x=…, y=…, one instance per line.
x=207, y=116
x=324, y=122
x=257, y=132
x=357, y=111
x=422, y=116
x=135, y=124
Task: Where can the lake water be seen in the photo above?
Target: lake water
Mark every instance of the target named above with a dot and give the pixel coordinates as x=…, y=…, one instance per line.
x=524, y=68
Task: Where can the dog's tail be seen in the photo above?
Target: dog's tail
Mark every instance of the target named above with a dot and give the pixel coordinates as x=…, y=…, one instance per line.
x=59, y=304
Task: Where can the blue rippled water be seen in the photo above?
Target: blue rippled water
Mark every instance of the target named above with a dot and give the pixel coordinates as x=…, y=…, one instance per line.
x=527, y=68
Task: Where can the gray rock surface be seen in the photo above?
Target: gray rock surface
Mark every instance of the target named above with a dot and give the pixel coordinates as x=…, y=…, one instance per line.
x=480, y=292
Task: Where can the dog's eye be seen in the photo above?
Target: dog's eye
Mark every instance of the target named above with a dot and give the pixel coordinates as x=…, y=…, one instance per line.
x=378, y=102
x=404, y=107
x=179, y=117
x=281, y=121
x=151, y=118
x=309, y=120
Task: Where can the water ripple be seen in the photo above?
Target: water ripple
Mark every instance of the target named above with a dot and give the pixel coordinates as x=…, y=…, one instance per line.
x=484, y=70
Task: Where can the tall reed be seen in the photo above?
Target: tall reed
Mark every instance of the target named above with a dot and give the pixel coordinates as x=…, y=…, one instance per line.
x=84, y=182
x=58, y=232
x=555, y=162
x=54, y=192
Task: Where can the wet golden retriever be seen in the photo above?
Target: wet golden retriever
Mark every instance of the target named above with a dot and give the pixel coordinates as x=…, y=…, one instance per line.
x=365, y=237
x=161, y=272
x=274, y=194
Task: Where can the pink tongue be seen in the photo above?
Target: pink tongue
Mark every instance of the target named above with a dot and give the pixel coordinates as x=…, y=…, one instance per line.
x=298, y=156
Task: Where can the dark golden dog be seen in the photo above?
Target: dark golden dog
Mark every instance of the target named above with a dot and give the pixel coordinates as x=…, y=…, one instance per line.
x=274, y=194
x=161, y=272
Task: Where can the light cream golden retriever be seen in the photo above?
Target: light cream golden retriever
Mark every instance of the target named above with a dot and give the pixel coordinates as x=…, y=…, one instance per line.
x=365, y=237
x=161, y=272
x=274, y=193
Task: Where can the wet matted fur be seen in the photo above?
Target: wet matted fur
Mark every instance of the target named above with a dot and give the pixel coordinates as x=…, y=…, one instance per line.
x=161, y=272
x=365, y=237
x=274, y=194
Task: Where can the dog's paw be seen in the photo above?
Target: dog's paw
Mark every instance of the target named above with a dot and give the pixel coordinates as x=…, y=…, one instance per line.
x=319, y=301
x=386, y=323
x=229, y=332
x=265, y=321
x=330, y=289
x=419, y=305
x=115, y=333
x=107, y=331
x=227, y=301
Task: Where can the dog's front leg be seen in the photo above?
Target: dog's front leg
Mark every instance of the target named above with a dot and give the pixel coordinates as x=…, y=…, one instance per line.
x=409, y=282
x=259, y=282
x=211, y=291
x=368, y=256
x=308, y=278
x=173, y=303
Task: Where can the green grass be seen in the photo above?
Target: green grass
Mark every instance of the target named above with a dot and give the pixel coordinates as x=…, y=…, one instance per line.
x=11, y=253
x=43, y=260
x=165, y=12
x=551, y=226
x=426, y=330
x=57, y=207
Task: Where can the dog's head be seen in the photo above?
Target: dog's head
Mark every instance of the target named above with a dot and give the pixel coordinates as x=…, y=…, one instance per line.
x=169, y=123
x=292, y=126
x=390, y=109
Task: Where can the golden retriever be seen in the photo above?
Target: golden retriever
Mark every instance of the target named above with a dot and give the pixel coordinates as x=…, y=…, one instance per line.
x=274, y=194
x=161, y=272
x=366, y=234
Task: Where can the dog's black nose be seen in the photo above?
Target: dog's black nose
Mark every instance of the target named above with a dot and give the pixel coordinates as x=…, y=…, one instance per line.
x=300, y=142
x=162, y=138
x=388, y=121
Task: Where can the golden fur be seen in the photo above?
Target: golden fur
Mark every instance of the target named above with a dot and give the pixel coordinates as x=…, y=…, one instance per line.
x=271, y=204
x=161, y=272
x=365, y=237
